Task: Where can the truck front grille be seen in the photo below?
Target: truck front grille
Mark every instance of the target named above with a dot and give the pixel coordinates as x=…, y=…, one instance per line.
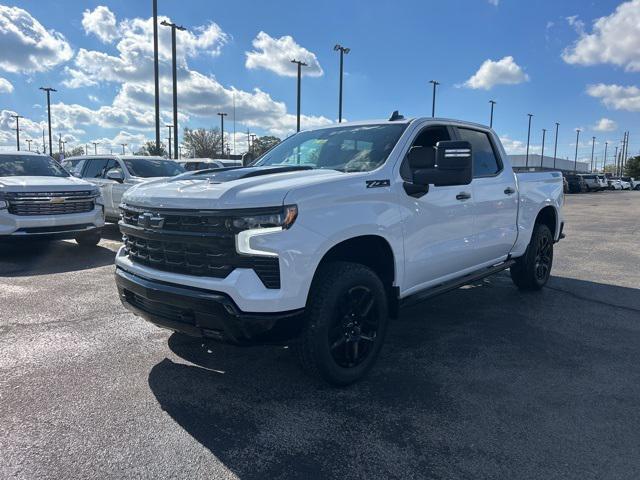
x=196, y=244
x=50, y=203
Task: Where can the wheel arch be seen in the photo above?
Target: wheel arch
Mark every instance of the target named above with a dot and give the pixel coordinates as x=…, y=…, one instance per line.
x=548, y=216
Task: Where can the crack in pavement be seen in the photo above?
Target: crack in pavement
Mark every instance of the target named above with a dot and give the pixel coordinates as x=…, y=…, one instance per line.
x=593, y=300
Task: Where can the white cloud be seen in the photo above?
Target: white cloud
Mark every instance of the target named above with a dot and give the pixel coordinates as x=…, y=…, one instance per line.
x=495, y=3
x=502, y=72
x=5, y=86
x=101, y=22
x=616, y=97
x=26, y=45
x=605, y=125
x=275, y=55
x=615, y=39
x=517, y=147
x=93, y=98
x=576, y=23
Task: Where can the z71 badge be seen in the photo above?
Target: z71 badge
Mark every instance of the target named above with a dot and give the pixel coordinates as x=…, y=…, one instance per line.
x=378, y=183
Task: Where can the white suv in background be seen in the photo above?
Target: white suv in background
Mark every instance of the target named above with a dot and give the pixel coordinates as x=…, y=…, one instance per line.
x=38, y=198
x=115, y=174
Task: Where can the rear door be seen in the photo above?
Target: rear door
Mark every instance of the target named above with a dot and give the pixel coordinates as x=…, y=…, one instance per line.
x=495, y=198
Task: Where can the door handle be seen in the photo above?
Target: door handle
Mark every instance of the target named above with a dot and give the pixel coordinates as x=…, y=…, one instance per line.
x=509, y=191
x=463, y=196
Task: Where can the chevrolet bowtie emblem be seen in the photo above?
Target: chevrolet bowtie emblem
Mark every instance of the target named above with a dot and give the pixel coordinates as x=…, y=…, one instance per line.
x=149, y=220
x=57, y=200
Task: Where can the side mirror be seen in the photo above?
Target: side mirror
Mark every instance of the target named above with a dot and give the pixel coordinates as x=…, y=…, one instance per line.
x=116, y=175
x=453, y=166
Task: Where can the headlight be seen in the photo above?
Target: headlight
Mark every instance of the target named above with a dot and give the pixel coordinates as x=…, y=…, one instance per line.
x=265, y=218
x=251, y=226
x=3, y=202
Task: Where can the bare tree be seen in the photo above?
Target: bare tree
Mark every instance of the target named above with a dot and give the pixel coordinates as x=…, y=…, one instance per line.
x=202, y=143
x=150, y=148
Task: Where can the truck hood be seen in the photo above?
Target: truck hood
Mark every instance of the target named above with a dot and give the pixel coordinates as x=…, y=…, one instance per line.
x=43, y=184
x=227, y=188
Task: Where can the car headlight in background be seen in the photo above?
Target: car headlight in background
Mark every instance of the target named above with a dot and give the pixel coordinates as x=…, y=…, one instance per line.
x=3, y=202
x=261, y=223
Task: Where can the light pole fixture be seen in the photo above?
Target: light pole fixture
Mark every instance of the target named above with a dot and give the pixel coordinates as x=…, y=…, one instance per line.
x=155, y=73
x=300, y=64
x=433, y=97
x=544, y=133
x=575, y=159
x=28, y=140
x=17, y=118
x=222, y=115
x=170, y=137
x=123, y=147
x=593, y=147
x=528, y=139
x=343, y=51
x=49, y=90
x=555, y=148
x=95, y=148
x=492, y=102
x=174, y=27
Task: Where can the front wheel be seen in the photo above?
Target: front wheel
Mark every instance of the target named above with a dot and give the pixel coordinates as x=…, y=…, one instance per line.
x=532, y=270
x=346, y=322
x=89, y=239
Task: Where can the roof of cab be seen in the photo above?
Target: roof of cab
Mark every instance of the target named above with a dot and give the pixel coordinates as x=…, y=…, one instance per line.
x=22, y=152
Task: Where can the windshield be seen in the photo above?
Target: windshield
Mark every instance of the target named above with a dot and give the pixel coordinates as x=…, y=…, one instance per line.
x=147, y=168
x=30, y=166
x=347, y=149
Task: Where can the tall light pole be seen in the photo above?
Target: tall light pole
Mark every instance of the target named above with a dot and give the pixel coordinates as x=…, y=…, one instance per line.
x=253, y=143
x=222, y=115
x=555, y=148
x=604, y=160
x=95, y=148
x=575, y=159
x=248, y=141
x=49, y=90
x=492, y=102
x=44, y=146
x=28, y=140
x=155, y=72
x=593, y=147
x=170, y=137
x=528, y=139
x=300, y=64
x=615, y=166
x=343, y=51
x=123, y=147
x=433, y=97
x=544, y=133
x=174, y=27
x=17, y=118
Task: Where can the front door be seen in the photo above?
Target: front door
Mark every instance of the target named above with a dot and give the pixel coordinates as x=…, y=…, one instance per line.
x=438, y=228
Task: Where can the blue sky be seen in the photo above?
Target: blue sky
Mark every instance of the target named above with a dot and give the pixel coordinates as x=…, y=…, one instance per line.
x=546, y=58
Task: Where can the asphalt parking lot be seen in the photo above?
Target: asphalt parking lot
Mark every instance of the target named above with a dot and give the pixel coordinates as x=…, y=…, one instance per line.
x=483, y=382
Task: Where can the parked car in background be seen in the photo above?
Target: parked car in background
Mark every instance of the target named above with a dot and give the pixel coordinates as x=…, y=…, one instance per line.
x=192, y=164
x=115, y=174
x=39, y=198
x=626, y=185
x=615, y=184
x=603, y=181
x=321, y=241
x=634, y=184
x=565, y=185
x=592, y=182
x=576, y=183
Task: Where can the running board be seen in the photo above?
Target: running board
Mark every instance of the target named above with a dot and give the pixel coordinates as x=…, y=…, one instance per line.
x=453, y=284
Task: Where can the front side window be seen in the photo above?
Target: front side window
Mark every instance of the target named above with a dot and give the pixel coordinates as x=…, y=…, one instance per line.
x=30, y=166
x=426, y=141
x=95, y=168
x=149, y=167
x=347, y=149
x=485, y=161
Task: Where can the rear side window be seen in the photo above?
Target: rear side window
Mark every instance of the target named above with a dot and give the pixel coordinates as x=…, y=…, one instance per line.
x=95, y=168
x=485, y=161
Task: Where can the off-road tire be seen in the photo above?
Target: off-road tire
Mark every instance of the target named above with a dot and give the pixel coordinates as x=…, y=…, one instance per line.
x=532, y=270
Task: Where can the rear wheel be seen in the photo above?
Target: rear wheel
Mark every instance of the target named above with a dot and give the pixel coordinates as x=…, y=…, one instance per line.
x=347, y=320
x=89, y=239
x=532, y=270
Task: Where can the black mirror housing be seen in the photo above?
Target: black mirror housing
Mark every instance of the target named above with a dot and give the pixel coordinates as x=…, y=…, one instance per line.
x=454, y=166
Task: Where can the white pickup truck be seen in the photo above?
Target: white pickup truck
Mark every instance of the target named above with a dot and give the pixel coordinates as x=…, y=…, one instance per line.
x=329, y=233
x=39, y=199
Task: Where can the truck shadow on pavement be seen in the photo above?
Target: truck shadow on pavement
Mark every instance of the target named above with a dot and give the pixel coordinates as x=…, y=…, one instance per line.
x=33, y=257
x=483, y=381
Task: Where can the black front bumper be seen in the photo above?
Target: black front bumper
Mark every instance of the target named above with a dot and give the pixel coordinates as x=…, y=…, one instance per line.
x=201, y=313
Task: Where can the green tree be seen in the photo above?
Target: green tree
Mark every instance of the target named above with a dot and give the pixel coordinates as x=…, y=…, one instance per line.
x=262, y=144
x=149, y=148
x=202, y=143
x=632, y=168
